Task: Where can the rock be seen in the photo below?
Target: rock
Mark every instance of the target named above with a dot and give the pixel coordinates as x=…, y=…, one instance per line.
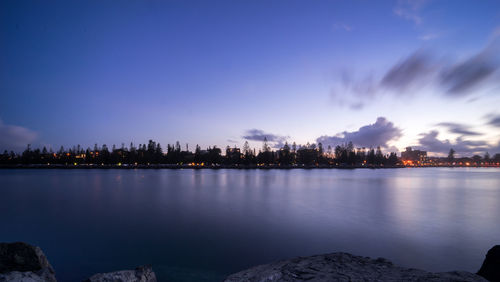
x=23, y=262
x=343, y=267
x=28, y=276
x=140, y=274
x=491, y=265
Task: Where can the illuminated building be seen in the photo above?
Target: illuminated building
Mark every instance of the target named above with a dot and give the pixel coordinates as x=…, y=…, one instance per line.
x=413, y=157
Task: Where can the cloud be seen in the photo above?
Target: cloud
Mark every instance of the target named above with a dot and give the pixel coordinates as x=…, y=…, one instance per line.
x=231, y=141
x=408, y=15
x=430, y=142
x=405, y=77
x=342, y=26
x=13, y=137
x=459, y=128
x=420, y=70
x=259, y=135
x=428, y=36
x=409, y=10
x=494, y=120
x=355, y=92
x=275, y=140
x=470, y=73
x=409, y=72
x=372, y=135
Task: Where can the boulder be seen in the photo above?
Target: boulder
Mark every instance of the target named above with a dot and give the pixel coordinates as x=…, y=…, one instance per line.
x=491, y=265
x=140, y=274
x=23, y=262
x=343, y=267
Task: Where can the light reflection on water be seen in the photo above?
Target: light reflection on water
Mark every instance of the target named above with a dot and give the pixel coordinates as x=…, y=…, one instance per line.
x=195, y=225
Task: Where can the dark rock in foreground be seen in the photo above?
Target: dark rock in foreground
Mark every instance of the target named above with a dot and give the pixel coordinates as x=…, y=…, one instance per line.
x=23, y=262
x=343, y=267
x=140, y=274
x=491, y=265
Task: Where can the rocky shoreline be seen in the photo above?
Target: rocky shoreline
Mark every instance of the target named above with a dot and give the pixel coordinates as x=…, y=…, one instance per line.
x=343, y=267
x=26, y=263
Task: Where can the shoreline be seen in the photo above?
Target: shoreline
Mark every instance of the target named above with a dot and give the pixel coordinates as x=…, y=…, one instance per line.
x=186, y=166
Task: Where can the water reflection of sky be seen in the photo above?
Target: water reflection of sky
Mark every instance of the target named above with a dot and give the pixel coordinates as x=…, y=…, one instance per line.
x=195, y=225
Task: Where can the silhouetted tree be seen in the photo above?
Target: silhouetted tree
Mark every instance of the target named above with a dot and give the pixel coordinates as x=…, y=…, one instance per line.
x=392, y=160
x=496, y=158
x=487, y=157
x=451, y=155
x=379, y=158
x=285, y=156
x=370, y=159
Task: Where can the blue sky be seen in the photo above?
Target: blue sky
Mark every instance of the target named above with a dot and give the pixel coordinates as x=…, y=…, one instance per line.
x=399, y=73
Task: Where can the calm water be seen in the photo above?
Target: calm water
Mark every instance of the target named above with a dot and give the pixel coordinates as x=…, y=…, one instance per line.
x=200, y=225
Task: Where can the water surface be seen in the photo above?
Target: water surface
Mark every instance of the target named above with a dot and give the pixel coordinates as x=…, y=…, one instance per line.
x=200, y=225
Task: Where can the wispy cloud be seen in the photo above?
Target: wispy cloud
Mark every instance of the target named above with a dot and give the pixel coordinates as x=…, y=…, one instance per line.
x=470, y=73
x=409, y=10
x=354, y=92
x=13, y=137
x=458, y=128
x=428, y=36
x=493, y=119
x=423, y=68
x=430, y=142
x=377, y=134
x=408, y=72
x=259, y=135
x=342, y=26
x=408, y=15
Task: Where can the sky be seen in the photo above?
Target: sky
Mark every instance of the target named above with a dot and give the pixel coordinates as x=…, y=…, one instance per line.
x=378, y=73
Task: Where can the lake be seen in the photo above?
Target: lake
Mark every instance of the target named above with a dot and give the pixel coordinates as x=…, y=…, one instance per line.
x=201, y=225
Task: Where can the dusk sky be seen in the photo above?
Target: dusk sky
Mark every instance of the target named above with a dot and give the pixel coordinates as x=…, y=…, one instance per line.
x=388, y=73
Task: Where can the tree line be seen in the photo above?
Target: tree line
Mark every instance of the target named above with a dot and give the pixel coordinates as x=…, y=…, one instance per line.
x=153, y=153
x=476, y=159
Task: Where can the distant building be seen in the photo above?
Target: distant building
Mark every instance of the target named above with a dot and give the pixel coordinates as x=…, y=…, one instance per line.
x=413, y=157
